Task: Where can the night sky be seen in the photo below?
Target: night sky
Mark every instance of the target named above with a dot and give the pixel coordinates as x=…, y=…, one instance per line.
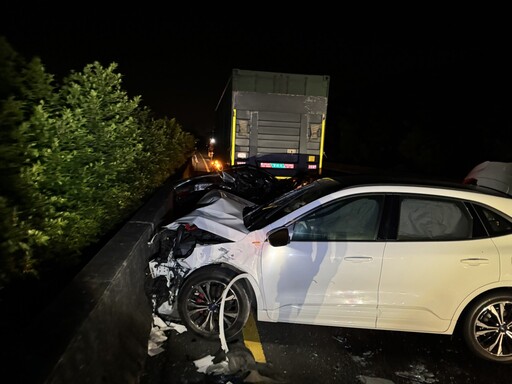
x=444, y=76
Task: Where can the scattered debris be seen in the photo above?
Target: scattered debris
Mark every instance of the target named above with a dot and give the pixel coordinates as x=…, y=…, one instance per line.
x=256, y=377
x=203, y=363
x=180, y=328
x=359, y=360
x=419, y=374
x=154, y=345
x=235, y=366
x=157, y=335
x=342, y=340
x=373, y=380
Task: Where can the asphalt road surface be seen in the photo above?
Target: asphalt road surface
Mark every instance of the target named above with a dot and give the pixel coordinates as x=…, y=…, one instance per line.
x=297, y=354
x=201, y=163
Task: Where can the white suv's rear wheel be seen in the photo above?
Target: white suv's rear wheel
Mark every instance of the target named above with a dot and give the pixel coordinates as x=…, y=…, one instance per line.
x=488, y=328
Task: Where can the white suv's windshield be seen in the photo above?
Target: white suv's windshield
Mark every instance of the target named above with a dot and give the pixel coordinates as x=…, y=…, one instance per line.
x=258, y=216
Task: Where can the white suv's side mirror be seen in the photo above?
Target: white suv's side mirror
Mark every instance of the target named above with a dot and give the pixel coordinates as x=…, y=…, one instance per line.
x=279, y=237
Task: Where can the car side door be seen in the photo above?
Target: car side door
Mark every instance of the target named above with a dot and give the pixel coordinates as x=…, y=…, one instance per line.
x=329, y=271
x=438, y=254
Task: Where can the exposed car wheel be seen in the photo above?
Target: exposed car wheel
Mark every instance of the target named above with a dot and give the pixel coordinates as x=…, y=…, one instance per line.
x=488, y=328
x=199, y=303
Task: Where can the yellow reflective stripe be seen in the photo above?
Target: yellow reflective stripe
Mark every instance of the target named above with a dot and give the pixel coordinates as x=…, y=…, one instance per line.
x=233, y=137
x=322, y=146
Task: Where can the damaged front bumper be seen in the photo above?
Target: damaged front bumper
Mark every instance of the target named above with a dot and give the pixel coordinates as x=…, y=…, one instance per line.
x=167, y=269
x=166, y=276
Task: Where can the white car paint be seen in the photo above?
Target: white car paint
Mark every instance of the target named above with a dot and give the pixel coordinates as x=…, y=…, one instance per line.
x=329, y=283
x=421, y=287
x=380, y=284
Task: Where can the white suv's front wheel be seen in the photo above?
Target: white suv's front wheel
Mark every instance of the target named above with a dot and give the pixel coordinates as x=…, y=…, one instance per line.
x=199, y=302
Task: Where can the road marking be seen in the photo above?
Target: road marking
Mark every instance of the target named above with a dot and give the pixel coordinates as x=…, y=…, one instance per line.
x=204, y=161
x=252, y=340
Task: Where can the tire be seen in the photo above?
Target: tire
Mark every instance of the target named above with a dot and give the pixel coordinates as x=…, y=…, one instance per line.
x=488, y=328
x=199, y=302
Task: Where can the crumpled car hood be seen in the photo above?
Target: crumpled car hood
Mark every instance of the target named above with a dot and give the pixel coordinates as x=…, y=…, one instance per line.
x=223, y=215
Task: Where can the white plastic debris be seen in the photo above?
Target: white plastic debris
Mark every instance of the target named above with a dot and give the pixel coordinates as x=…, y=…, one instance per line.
x=156, y=338
x=159, y=323
x=157, y=335
x=180, y=328
x=203, y=363
x=154, y=349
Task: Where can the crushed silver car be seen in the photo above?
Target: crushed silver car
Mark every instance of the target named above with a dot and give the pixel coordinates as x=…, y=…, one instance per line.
x=249, y=182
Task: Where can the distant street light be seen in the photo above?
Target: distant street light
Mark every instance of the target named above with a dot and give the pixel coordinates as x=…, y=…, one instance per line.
x=211, y=148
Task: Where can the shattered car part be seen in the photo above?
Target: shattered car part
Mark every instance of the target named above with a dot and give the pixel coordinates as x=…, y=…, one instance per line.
x=167, y=268
x=246, y=181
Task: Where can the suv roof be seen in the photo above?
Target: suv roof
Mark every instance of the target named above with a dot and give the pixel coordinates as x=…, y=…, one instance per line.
x=371, y=179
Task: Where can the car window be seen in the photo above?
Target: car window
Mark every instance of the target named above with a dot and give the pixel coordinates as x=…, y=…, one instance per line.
x=264, y=214
x=495, y=223
x=352, y=219
x=431, y=218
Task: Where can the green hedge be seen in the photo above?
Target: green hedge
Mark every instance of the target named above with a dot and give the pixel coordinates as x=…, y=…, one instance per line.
x=77, y=160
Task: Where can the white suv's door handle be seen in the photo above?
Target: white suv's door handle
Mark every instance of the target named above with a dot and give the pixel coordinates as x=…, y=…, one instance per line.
x=475, y=261
x=358, y=259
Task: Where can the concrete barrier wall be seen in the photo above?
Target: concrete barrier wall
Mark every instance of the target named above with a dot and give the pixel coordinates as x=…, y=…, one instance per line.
x=97, y=330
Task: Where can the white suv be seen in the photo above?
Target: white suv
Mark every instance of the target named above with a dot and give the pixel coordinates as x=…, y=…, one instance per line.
x=373, y=253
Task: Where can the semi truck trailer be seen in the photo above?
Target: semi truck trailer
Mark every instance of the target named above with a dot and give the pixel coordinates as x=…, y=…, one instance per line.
x=274, y=121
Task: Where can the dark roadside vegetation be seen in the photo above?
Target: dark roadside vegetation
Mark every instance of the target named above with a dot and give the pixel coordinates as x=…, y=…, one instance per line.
x=78, y=157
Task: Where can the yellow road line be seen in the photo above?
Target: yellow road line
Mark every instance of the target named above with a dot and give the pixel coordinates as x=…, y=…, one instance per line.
x=252, y=340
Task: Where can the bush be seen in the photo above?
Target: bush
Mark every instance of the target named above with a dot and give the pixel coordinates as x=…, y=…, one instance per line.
x=78, y=158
